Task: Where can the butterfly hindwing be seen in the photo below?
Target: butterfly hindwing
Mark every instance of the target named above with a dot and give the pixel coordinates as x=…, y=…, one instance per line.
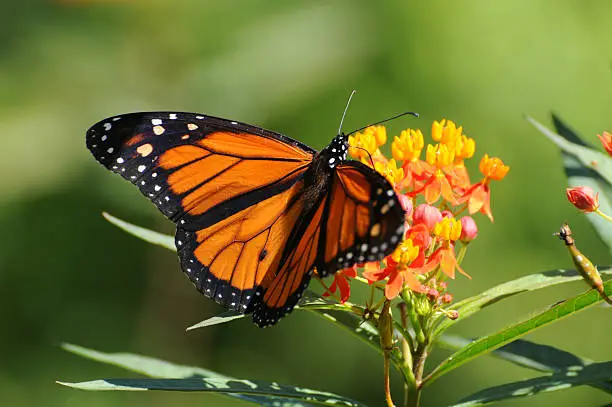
x=359, y=219
x=364, y=221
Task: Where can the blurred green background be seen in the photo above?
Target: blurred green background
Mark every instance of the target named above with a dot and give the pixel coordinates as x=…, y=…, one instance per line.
x=68, y=275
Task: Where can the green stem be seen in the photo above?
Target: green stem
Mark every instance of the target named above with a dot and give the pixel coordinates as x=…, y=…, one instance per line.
x=603, y=215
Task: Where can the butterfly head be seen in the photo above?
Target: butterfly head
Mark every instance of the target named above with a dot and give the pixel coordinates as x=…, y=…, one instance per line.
x=336, y=151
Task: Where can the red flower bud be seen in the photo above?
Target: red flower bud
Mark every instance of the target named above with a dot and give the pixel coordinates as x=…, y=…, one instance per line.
x=583, y=198
x=428, y=215
x=606, y=141
x=469, y=230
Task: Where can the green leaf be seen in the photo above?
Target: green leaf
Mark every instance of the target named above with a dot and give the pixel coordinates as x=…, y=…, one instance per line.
x=309, y=298
x=338, y=314
x=291, y=394
x=217, y=319
x=532, y=282
x=161, y=369
x=365, y=331
x=571, y=377
x=491, y=342
x=578, y=174
x=543, y=358
x=589, y=158
x=145, y=234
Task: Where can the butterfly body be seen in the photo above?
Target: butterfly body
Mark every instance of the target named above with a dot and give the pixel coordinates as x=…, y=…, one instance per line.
x=256, y=212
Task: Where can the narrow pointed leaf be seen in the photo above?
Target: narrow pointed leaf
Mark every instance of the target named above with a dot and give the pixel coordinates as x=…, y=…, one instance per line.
x=147, y=235
x=531, y=355
x=588, y=157
x=581, y=175
x=572, y=377
x=161, y=369
x=491, y=342
x=532, y=282
x=294, y=395
x=218, y=319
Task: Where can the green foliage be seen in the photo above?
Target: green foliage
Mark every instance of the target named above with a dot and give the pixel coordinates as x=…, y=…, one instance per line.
x=171, y=377
x=350, y=317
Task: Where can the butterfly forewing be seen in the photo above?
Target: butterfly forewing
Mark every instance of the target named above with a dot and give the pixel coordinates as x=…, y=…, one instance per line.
x=188, y=164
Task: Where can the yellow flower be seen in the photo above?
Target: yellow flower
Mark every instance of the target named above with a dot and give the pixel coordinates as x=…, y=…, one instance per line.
x=493, y=168
x=405, y=253
x=446, y=132
x=448, y=229
x=390, y=171
x=362, y=144
x=408, y=145
x=379, y=133
x=440, y=155
x=464, y=148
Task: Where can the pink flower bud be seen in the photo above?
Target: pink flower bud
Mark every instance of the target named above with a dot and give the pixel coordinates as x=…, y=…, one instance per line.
x=406, y=204
x=447, y=298
x=469, y=230
x=447, y=214
x=432, y=293
x=428, y=215
x=583, y=198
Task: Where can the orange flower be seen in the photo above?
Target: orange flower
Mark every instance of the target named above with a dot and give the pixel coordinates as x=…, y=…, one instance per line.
x=445, y=258
x=606, y=141
x=583, y=198
x=341, y=283
x=493, y=168
x=478, y=196
x=401, y=269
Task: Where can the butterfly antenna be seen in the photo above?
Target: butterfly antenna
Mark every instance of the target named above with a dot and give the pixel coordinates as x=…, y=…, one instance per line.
x=384, y=121
x=345, y=110
x=367, y=152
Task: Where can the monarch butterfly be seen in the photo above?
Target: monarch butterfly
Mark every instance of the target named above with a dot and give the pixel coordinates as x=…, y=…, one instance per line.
x=256, y=212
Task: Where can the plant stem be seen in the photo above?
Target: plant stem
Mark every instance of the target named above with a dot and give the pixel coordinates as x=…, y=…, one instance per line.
x=406, y=350
x=420, y=356
x=388, y=398
x=603, y=215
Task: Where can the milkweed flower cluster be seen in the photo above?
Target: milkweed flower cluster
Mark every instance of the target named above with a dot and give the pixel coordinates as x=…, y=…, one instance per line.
x=434, y=188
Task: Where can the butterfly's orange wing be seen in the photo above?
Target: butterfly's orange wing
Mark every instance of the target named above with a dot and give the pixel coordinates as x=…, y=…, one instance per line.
x=232, y=189
x=247, y=234
x=359, y=219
